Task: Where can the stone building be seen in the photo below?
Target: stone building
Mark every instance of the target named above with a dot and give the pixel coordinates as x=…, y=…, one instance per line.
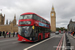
x=2, y=19
x=71, y=26
x=6, y=22
x=8, y=27
x=53, y=20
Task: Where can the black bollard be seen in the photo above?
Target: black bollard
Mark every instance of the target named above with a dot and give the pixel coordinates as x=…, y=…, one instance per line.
x=68, y=45
x=67, y=40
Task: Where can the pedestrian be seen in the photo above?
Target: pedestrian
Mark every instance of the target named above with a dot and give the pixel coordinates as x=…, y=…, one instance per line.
x=6, y=33
x=13, y=34
x=17, y=34
x=3, y=33
x=0, y=33
x=73, y=33
x=9, y=34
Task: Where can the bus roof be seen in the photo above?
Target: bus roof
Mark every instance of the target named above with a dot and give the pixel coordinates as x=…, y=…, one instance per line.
x=34, y=13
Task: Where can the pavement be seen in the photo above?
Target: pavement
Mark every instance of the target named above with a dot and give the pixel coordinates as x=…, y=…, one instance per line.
x=1, y=36
x=72, y=36
x=47, y=44
x=72, y=41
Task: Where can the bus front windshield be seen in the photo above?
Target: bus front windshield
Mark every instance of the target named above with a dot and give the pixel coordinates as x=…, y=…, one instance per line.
x=25, y=31
x=29, y=16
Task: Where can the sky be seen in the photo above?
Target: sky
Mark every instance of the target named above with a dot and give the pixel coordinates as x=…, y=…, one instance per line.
x=65, y=9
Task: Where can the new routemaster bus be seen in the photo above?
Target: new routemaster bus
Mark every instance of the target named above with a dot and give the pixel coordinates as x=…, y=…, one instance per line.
x=32, y=28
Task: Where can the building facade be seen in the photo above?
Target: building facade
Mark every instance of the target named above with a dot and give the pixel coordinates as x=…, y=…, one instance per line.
x=53, y=20
x=2, y=19
x=71, y=26
x=12, y=27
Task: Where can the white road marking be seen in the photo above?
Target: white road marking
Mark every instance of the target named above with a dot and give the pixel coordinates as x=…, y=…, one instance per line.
x=8, y=40
x=57, y=36
x=37, y=43
x=63, y=47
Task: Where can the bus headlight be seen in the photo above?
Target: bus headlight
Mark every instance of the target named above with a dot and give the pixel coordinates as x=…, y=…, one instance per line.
x=30, y=38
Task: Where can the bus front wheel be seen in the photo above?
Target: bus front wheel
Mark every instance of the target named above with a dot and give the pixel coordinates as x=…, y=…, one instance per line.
x=39, y=38
x=48, y=36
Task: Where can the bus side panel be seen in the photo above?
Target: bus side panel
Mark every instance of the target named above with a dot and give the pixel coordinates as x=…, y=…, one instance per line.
x=40, y=34
x=20, y=38
x=43, y=35
x=47, y=35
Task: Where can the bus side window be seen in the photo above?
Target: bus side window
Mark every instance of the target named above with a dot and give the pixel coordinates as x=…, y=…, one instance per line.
x=36, y=29
x=34, y=17
x=39, y=29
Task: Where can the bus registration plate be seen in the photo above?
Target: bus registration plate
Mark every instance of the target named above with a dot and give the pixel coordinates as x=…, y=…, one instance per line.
x=23, y=39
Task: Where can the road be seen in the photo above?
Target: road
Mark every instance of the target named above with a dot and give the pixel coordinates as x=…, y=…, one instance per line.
x=13, y=44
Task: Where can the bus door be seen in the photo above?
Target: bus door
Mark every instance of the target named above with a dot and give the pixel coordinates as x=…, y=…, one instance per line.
x=43, y=31
x=43, y=35
x=36, y=33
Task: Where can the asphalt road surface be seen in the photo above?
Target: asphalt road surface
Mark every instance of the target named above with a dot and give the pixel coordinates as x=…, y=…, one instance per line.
x=47, y=44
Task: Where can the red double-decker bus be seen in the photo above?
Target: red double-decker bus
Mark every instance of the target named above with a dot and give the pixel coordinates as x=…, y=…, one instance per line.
x=32, y=28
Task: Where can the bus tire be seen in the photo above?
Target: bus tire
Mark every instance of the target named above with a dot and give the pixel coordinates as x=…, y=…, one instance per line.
x=48, y=36
x=39, y=38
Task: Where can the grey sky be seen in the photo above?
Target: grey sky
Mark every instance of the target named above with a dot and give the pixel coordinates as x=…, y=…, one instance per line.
x=65, y=9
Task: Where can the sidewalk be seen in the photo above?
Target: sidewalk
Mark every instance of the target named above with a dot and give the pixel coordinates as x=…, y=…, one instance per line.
x=1, y=36
x=72, y=36
x=72, y=41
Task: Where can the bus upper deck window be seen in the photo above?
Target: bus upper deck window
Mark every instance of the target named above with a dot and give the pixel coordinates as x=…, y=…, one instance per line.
x=27, y=16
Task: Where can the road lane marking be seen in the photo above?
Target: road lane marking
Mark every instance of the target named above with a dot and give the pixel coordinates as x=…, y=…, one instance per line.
x=37, y=43
x=60, y=43
x=63, y=46
x=57, y=36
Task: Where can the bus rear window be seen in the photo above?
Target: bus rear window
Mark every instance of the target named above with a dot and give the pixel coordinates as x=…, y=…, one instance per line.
x=29, y=16
x=25, y=22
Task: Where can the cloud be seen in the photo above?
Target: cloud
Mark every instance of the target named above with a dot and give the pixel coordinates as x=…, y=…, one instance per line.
x=65, y=9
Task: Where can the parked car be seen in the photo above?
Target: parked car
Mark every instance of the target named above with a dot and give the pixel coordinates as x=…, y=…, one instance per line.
x=57, y=32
